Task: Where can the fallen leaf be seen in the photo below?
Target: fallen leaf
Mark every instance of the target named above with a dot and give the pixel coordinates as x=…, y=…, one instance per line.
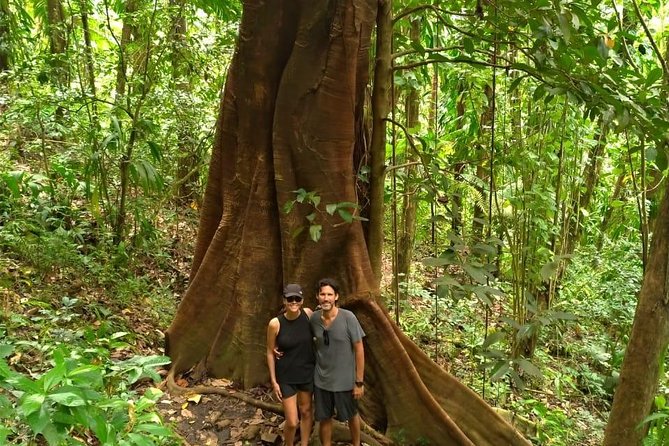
x=195, y=398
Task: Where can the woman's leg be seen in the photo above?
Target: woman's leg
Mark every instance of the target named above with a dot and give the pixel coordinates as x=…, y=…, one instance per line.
x=306, y=416
x=290, y=415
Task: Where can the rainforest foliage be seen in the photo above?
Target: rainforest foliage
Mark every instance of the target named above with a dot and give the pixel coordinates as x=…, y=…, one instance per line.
x=524, y=169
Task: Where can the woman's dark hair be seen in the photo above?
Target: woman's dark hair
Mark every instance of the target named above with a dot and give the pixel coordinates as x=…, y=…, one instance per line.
x=328, y=282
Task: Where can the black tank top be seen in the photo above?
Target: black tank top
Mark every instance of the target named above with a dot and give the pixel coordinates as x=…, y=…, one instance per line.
x=296, y=366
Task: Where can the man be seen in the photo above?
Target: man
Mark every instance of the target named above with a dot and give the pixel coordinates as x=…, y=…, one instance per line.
x=340, y=364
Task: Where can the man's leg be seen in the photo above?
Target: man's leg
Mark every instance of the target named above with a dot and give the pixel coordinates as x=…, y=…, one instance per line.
x=354, y=428
x=325, y=432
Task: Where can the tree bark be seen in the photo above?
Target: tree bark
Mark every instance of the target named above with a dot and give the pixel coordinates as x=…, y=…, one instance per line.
x=380, y=109
x=57, y=41
x=288, y=120
x=647, y=346
x=5, y=38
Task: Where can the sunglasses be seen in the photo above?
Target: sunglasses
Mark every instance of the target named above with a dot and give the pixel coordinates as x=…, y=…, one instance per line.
x=326, y=337
x=292, y=299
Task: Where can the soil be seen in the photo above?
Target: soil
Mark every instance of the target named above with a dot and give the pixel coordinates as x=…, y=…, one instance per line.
x=212, y=420
x=217, y=420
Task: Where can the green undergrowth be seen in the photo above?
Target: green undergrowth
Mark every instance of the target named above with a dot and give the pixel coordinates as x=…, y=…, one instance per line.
x=564, y=391
x=81, y=327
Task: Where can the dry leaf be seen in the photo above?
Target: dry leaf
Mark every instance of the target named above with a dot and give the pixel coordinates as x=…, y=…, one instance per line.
x=195, y=398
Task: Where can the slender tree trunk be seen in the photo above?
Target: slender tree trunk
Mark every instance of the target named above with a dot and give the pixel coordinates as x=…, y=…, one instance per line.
x=481, y=173
x=459, y=167
x=5, y=38
x=139, y=93
x=604, y=225
x=288, y=120
x=127, y=31
x=188, y=159
x=380, y=109
x=582, y=201
x=57, y=41
x=407, y=227
x=647, y=345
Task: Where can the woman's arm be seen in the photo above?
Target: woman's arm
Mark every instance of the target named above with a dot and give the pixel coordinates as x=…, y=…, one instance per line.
x=272, y=332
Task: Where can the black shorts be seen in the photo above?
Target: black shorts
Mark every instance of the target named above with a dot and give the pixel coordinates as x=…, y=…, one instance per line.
x=288, y=390
x=340, y=405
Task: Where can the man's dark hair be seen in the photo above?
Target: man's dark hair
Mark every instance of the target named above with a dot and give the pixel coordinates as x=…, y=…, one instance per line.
x=328, y=282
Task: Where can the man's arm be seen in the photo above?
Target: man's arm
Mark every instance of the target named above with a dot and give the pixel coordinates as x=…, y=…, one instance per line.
x=359, y=351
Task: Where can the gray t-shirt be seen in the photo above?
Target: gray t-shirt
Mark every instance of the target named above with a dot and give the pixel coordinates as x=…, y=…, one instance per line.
x=335, y=362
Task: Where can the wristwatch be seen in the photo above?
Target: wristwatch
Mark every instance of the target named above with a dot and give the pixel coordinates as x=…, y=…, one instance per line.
x=359, y=383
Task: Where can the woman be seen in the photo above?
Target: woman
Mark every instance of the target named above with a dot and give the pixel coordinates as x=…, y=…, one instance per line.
x=292, y=374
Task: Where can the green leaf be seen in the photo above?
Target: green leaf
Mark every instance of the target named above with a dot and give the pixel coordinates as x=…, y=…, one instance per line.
x=39, y=420
x=493, y=339
x=564, y=316
x=436, y=261
x=156, y=150
x=653, y=417
x=469, y=45
x=315, y=199
x=315, y=232
x=345, y=215
x=288, y=206
x=479, y=275
x=53, y=376
x=311, y=217
x=13, y=179
x=549, y=270
x=140, y=440
x=31, y=403
x=301, y=194
x=6, y=350
x=331, y=208
x=654, y=75
x=501, y=369
x=6, y=407
x=153, y=429
x=517, y=380
x=69, y=396
x=447, y=281
x=4, y=433
x=516, y=82
x=529, y=368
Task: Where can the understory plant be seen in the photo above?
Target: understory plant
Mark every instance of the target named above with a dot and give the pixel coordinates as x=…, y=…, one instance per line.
x=83, y=395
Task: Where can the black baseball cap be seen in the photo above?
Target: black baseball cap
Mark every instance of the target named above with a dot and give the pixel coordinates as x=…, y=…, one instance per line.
x=292, y=289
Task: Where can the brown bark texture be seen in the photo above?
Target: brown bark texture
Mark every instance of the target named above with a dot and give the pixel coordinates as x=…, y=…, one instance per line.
x=288, y=121
x=647, y=345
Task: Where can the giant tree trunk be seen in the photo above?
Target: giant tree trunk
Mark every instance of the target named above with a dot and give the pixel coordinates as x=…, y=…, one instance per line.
x=647, y=346
x=288, y=121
